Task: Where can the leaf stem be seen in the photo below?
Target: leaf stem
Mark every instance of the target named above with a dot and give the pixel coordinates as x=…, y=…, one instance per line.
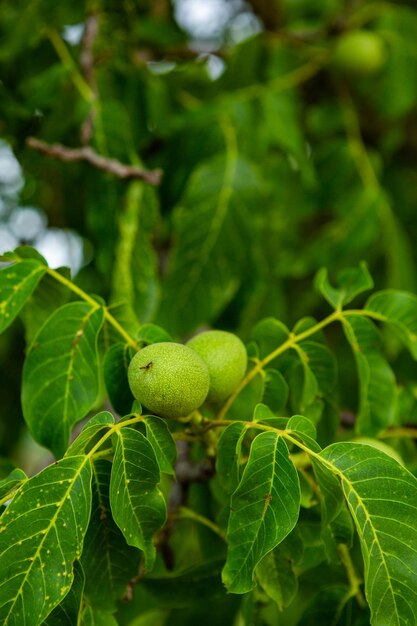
x=185, y=513
x=354, y=580
x=84, y=296
x=399, y=431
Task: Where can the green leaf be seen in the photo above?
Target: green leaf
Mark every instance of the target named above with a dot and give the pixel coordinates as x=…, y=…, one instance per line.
x=276, y=576
x=60, y=375
x=399, y=310
x=17, y=282
x=115, y=367
x=41, y=534
x=163, y=445
x=228, y=455
x=269, y=334
x=108, y=563
x=67, y=612
x=322, y=364
x=12, y=481
x=90, y=433
x=377, y=385
x=97, y=617
x=382, y=499
x=191, y=585
x=212, y=229
x=248, y=398
x=137, y=505
x=151, y=333
x=49, y=295
x=276, y=390
x=334, y=606
x=350, y=283
x=264, y=509
x=305, y=430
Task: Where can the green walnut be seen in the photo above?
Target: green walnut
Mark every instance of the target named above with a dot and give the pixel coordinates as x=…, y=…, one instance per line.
x=169, y=379
x=359, y=53
x=226, y=360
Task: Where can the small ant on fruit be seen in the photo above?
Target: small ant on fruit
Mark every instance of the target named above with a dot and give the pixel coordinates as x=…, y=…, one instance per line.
x=146, y=367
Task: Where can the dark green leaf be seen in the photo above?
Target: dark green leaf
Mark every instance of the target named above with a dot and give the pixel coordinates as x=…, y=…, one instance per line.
x=269, y=334
x=228, y=455
x=49, y=295
x=137, y=505
x=60, y=376
x=212, y=229
x=108, y=562
x=186, y=587
x=115, y=366
x=277, y=578
x=377, y=385
x=276, y=391
x=162, y=443
x=264, y=509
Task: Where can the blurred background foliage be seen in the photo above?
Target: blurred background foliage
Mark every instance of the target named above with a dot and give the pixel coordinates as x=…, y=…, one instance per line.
x=276, y=160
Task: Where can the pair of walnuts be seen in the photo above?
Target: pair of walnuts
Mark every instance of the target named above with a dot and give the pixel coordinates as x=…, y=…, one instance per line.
x=173, y=380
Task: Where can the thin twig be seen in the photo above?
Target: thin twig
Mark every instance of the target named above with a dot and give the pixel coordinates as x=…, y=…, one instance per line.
x=87, y=63
x=112, y=166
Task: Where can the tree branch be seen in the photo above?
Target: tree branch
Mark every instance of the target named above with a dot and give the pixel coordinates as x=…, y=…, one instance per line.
x=87, y=65
x=112, y=166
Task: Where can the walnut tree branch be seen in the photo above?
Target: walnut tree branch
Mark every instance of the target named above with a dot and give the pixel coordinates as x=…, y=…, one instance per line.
x=112, y=166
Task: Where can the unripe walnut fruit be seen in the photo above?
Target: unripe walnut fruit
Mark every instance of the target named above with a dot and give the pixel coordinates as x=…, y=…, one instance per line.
x=169, y=379
x=359, y=53
x=226, y=360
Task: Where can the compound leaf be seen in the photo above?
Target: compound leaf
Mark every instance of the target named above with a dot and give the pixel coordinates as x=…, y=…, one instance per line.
x=137, y=504
x=350, y=283
x=264, y=509
x=60, y=375
x=41, y=534
x=382, y=499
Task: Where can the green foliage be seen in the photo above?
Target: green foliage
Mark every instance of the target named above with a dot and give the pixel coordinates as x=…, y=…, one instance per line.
x=200, y=201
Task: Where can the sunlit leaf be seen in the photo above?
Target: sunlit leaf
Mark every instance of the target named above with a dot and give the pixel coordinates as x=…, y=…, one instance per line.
x=67, y=612
x=17, y=282
x=41, y=534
